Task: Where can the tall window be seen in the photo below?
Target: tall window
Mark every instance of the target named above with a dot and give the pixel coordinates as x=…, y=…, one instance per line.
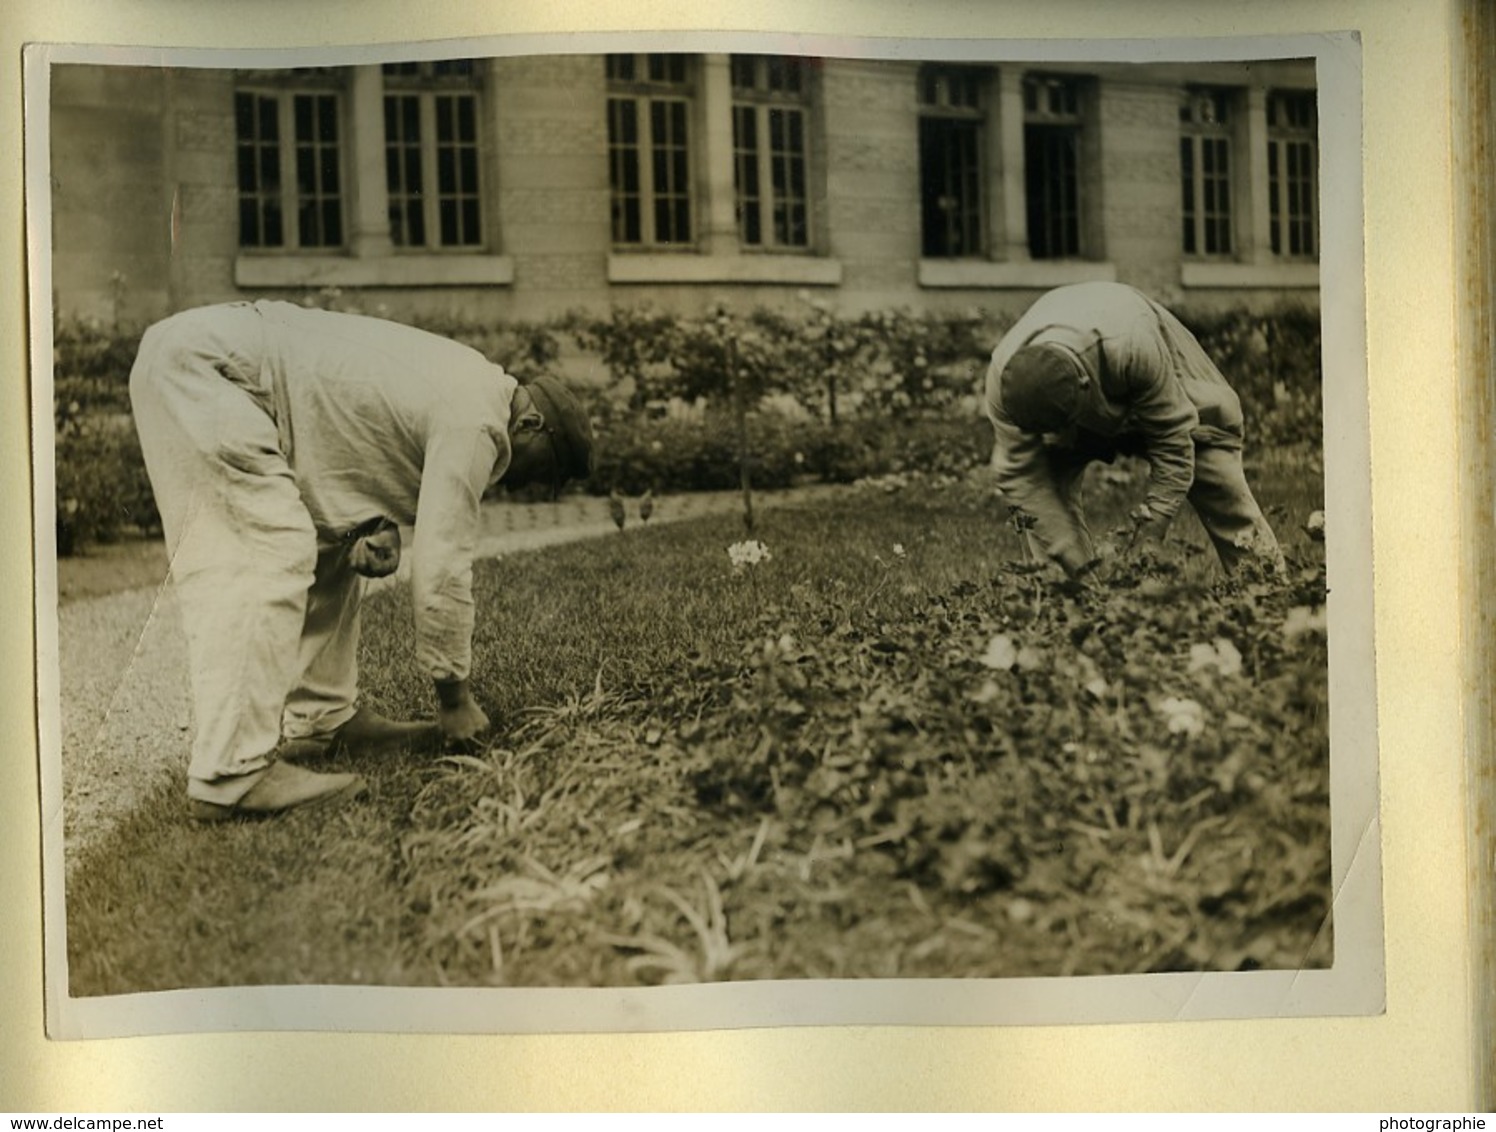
x=1293, y=173
x=1052, y=125
x=649, y=148
x=1205, y=172
x=951, y=124
x=770, y=95
x=432, y=154
x=290, y=162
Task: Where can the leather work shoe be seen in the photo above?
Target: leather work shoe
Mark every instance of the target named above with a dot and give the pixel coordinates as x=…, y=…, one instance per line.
x=283, y=786
x=366, y=733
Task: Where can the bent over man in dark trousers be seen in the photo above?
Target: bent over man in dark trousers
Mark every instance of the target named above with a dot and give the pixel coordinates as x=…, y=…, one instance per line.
x=1096, y=370
x=285, y=447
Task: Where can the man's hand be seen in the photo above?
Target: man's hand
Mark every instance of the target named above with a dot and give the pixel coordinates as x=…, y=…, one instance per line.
x=376, y=555
x=1148, y=528
x=461, y=719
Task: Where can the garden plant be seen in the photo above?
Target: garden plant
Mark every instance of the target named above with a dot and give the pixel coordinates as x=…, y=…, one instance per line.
x=867, y=738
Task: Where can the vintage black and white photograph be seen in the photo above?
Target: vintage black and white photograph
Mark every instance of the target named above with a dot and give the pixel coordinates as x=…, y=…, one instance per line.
x=760, y=530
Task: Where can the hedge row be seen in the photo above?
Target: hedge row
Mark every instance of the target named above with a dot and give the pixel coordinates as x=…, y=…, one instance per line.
x=862, y=395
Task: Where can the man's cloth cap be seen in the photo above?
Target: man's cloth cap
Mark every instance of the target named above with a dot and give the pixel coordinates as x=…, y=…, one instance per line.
x=1041, y=388
x=567, y=427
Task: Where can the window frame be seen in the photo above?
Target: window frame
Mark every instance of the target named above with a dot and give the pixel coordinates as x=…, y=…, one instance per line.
x=954, y=100
x=759, y=102
x=285, y=89
x=1285, y=139
x=1045, y=121
x=674, y=90
x=1208, y=123
x=430, y=84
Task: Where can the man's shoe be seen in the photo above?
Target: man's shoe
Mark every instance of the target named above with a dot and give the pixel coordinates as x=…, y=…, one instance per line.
x=366, y=733
x=283, y=786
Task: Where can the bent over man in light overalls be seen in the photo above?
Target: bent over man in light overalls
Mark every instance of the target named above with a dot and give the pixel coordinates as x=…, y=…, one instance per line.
x=285, y=446
x=1097, y=370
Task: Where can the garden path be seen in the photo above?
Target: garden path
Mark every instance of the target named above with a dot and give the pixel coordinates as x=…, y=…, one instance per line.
x=126, y=708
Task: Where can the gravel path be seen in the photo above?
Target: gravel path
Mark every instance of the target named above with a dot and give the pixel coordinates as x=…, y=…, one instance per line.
x=126, y=708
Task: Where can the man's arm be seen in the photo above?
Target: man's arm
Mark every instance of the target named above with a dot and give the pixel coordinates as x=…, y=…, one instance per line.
x=1020, y=464
x=457, y=469
x=1159, y=411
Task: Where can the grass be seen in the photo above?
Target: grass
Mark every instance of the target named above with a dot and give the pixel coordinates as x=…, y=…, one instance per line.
x=804, y=769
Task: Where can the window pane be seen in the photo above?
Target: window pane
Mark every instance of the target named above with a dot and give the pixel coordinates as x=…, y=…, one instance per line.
x=670, y=169
x=244, y=117
x=950, y=187
x=275, y=229
x=623, y=170
x=744, y=71
x=448, y=212
x=327, y=119
x=332, y=223
x=745, y=174
x=249, y=224
x=784, y=73
x=667, y=68
x=1053, y=190
x=318, y=170
x=247, y=180
x=402, y=126
x=306, y=171
x=257, y=167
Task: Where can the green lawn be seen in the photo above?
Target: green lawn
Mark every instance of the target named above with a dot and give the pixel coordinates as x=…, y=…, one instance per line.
x=842, y=761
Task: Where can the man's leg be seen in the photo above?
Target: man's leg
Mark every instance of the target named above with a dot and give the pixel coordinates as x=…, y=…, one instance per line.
x=1228, y=510
x=242, y=550
x=322, y=709
x=325, y=696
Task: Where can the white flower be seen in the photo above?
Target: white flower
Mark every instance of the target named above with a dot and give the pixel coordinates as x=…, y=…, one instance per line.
x=1094, y=682
x=1314, y=526
x=1183, y=717
x=1302, y=619
x=988, y=692
x=1001, y=653
x=898, y=550
x=1223, y=656
x=746, y=554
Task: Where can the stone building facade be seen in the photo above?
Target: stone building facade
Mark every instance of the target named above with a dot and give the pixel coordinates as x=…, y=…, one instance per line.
x=522, y=187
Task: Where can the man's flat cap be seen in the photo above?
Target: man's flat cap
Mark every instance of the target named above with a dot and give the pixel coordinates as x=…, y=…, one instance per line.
x=1041, y=388
x=567, y=426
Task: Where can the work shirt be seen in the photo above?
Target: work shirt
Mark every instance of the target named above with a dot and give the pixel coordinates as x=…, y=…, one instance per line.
x=1151, y=387
x=379, y=419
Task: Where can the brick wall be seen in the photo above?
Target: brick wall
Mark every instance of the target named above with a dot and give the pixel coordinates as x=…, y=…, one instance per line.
x=145, y=209
x=111, y=207
x=872, y=180
x=553, y=181
x=1139, y=174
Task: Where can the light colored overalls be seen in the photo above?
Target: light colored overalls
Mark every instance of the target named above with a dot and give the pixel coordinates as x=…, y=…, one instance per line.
x=269, y=432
